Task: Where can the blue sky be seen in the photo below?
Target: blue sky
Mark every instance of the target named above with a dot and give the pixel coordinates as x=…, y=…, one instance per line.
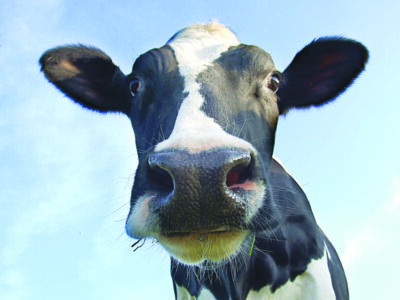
x=65, y=173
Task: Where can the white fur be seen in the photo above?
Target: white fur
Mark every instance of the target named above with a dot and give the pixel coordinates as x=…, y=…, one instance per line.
x=140, y=222
x=205, y=295
x=195, y=49
x=183, y=294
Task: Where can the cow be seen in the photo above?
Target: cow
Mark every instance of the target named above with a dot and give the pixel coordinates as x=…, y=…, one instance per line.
x=204, y=109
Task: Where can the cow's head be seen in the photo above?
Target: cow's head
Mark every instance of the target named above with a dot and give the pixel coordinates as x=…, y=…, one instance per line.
x=204, y=109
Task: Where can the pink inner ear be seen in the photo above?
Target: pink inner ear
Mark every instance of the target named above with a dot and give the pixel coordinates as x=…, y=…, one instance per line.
x=319, y=83
x=331, y=59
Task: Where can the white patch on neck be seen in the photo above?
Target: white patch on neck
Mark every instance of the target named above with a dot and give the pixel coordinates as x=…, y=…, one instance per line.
x=183, y=294
x=314, y=284
x=195, y=48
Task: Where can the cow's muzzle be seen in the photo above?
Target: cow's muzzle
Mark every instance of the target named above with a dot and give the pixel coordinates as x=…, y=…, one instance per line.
x=208, y=191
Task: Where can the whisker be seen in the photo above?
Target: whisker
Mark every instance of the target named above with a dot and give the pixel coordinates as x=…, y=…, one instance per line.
x=135, y=245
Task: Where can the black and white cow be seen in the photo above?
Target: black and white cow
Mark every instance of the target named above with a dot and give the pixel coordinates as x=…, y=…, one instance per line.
x=204, y=109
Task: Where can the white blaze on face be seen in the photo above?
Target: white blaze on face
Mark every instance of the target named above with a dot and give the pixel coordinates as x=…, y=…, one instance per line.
x=195, y=48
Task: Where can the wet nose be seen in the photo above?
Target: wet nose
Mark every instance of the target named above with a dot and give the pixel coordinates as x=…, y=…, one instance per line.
x=201, y=188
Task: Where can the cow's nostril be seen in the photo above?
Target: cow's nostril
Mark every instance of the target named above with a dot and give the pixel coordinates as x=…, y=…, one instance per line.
x=238, y=175
x=161, y=179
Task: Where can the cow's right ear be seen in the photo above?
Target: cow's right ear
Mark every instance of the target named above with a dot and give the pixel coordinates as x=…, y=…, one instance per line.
x=88, y=76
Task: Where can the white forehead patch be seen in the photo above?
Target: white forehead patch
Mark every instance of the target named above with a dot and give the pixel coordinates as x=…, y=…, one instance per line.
x=196, y=47
x=212, y=33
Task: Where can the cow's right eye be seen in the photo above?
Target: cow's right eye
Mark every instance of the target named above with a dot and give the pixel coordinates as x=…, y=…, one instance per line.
x=134, y=86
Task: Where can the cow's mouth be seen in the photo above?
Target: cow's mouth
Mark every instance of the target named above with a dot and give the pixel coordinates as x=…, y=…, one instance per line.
x=199, y=232
x=195, y=247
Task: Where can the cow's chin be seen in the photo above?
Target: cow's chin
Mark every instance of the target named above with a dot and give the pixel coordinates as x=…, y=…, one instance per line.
x=193, y=248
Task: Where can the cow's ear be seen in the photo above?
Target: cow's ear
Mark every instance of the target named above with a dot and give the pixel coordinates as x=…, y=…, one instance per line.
x=88, y=76
x=320, y=72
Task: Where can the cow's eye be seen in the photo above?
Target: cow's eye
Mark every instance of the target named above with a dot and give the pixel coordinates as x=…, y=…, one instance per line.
x=273, y=81
x=134, y=86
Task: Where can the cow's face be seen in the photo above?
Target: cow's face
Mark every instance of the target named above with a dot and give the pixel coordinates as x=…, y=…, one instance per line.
x=204, y=109
x=204, y=121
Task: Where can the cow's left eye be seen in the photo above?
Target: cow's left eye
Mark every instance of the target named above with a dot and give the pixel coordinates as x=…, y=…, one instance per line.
x=134, y=86
x=273, y=81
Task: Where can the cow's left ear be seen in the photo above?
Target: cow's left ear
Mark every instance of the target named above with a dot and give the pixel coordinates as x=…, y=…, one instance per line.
x=320, y=72
x=88, y=76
